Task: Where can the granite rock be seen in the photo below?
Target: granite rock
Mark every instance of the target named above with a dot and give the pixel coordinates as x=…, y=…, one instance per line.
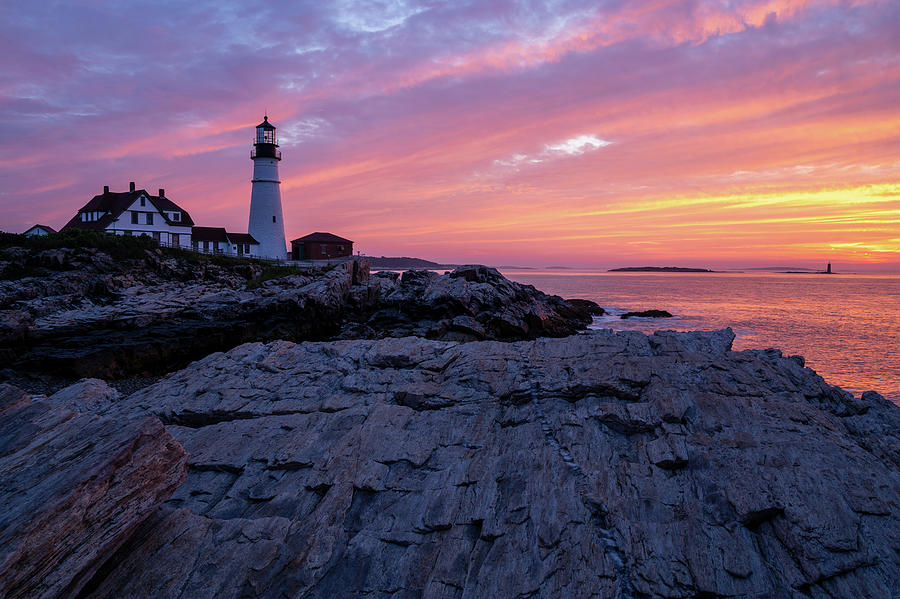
x=92, y=319
x=73, y=487
x=469, y=303
x=87, y=395
x=647, y=314
x=599, y=465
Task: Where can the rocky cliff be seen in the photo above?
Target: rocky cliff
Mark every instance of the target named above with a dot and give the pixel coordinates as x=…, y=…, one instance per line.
x=83, y=313
x=487, y=455
x=599, y=465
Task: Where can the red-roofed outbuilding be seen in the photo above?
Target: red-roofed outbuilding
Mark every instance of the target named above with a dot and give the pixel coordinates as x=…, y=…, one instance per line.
x=321, y=246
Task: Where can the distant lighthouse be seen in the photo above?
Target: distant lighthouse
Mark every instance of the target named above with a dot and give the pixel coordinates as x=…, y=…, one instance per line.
x=266, y=222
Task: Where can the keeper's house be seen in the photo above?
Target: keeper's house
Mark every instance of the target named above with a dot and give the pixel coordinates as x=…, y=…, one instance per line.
x=135, y=212
x=321, y=246
x=216, y=240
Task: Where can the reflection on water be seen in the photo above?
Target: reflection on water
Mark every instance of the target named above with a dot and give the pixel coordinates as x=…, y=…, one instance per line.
x=846, y=326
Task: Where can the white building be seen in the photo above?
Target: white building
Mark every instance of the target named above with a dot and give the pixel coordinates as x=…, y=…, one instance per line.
x=216, y=240
x=135, y=212
x=39, y=231
x=266, y=221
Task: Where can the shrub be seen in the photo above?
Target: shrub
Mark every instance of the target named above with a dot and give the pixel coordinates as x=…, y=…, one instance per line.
x=118, y=246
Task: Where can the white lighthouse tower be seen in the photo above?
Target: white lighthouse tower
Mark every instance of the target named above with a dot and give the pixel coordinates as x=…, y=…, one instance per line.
x=266, y=222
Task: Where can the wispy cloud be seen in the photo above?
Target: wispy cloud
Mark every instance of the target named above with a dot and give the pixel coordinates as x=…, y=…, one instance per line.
x=574, y=146
x=374, y=16
x=390, y=106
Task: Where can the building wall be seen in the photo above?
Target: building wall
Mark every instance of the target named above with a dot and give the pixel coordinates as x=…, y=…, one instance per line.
x=36, y=232
x=315, y=250
x=229, y=249
x=158, y=229
x=266, y=219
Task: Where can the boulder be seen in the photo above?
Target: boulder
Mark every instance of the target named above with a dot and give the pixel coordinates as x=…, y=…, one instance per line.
x=647, y=314
x=74, y=487
x=599, y=465
x=14, y=326
x=592, y=308
x=469, y=303
x=87, y=395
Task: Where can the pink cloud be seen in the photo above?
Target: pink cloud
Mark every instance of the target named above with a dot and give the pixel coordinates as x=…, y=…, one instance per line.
x=394, y=123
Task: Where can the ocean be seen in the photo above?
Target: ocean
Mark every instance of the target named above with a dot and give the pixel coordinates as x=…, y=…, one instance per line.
x=847, y=326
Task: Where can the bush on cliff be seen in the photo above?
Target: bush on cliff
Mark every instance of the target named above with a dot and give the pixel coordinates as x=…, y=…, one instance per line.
x=117, y=246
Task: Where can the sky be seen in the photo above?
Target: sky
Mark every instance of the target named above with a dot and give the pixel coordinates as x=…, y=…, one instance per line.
x=593, y=133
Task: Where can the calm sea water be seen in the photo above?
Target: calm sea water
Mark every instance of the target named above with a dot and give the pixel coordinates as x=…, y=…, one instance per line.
x=846, y=326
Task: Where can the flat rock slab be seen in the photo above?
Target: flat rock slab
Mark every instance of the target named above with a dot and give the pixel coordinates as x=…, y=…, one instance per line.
x=600, y=465
x=73, y=488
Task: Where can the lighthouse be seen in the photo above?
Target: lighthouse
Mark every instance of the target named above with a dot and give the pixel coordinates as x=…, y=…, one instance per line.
x=266, y=222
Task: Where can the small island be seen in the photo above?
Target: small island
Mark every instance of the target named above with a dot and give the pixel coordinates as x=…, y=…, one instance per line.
x=658, y=269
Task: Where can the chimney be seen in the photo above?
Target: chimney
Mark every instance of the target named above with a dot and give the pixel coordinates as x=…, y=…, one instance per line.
x=162, y=192
x=105, y=189
x=131, y=186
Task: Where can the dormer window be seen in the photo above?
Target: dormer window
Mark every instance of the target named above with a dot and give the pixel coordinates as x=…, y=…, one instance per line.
x=143, y=201
x=176, y=216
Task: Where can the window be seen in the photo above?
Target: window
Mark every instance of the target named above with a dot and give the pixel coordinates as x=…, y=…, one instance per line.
x=175, y=239
x=176, y=216
x=149, y=218
x=156, y=236
x=341, y=249
x=194, y=244
x=246, y=248
x=134, y=218
x=143, y=202
x=83, y=217
x=205, y=246
x=324, y=251
x=273, y=219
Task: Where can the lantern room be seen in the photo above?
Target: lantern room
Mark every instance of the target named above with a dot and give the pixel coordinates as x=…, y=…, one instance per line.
x=265, y=132
x=266, y=142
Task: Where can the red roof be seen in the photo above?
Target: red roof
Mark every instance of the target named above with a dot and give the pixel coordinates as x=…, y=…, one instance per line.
x=321, y=237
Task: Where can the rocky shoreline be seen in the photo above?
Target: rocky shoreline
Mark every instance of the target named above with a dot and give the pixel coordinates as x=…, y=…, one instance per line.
x=89, y=315
x=426, y=436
